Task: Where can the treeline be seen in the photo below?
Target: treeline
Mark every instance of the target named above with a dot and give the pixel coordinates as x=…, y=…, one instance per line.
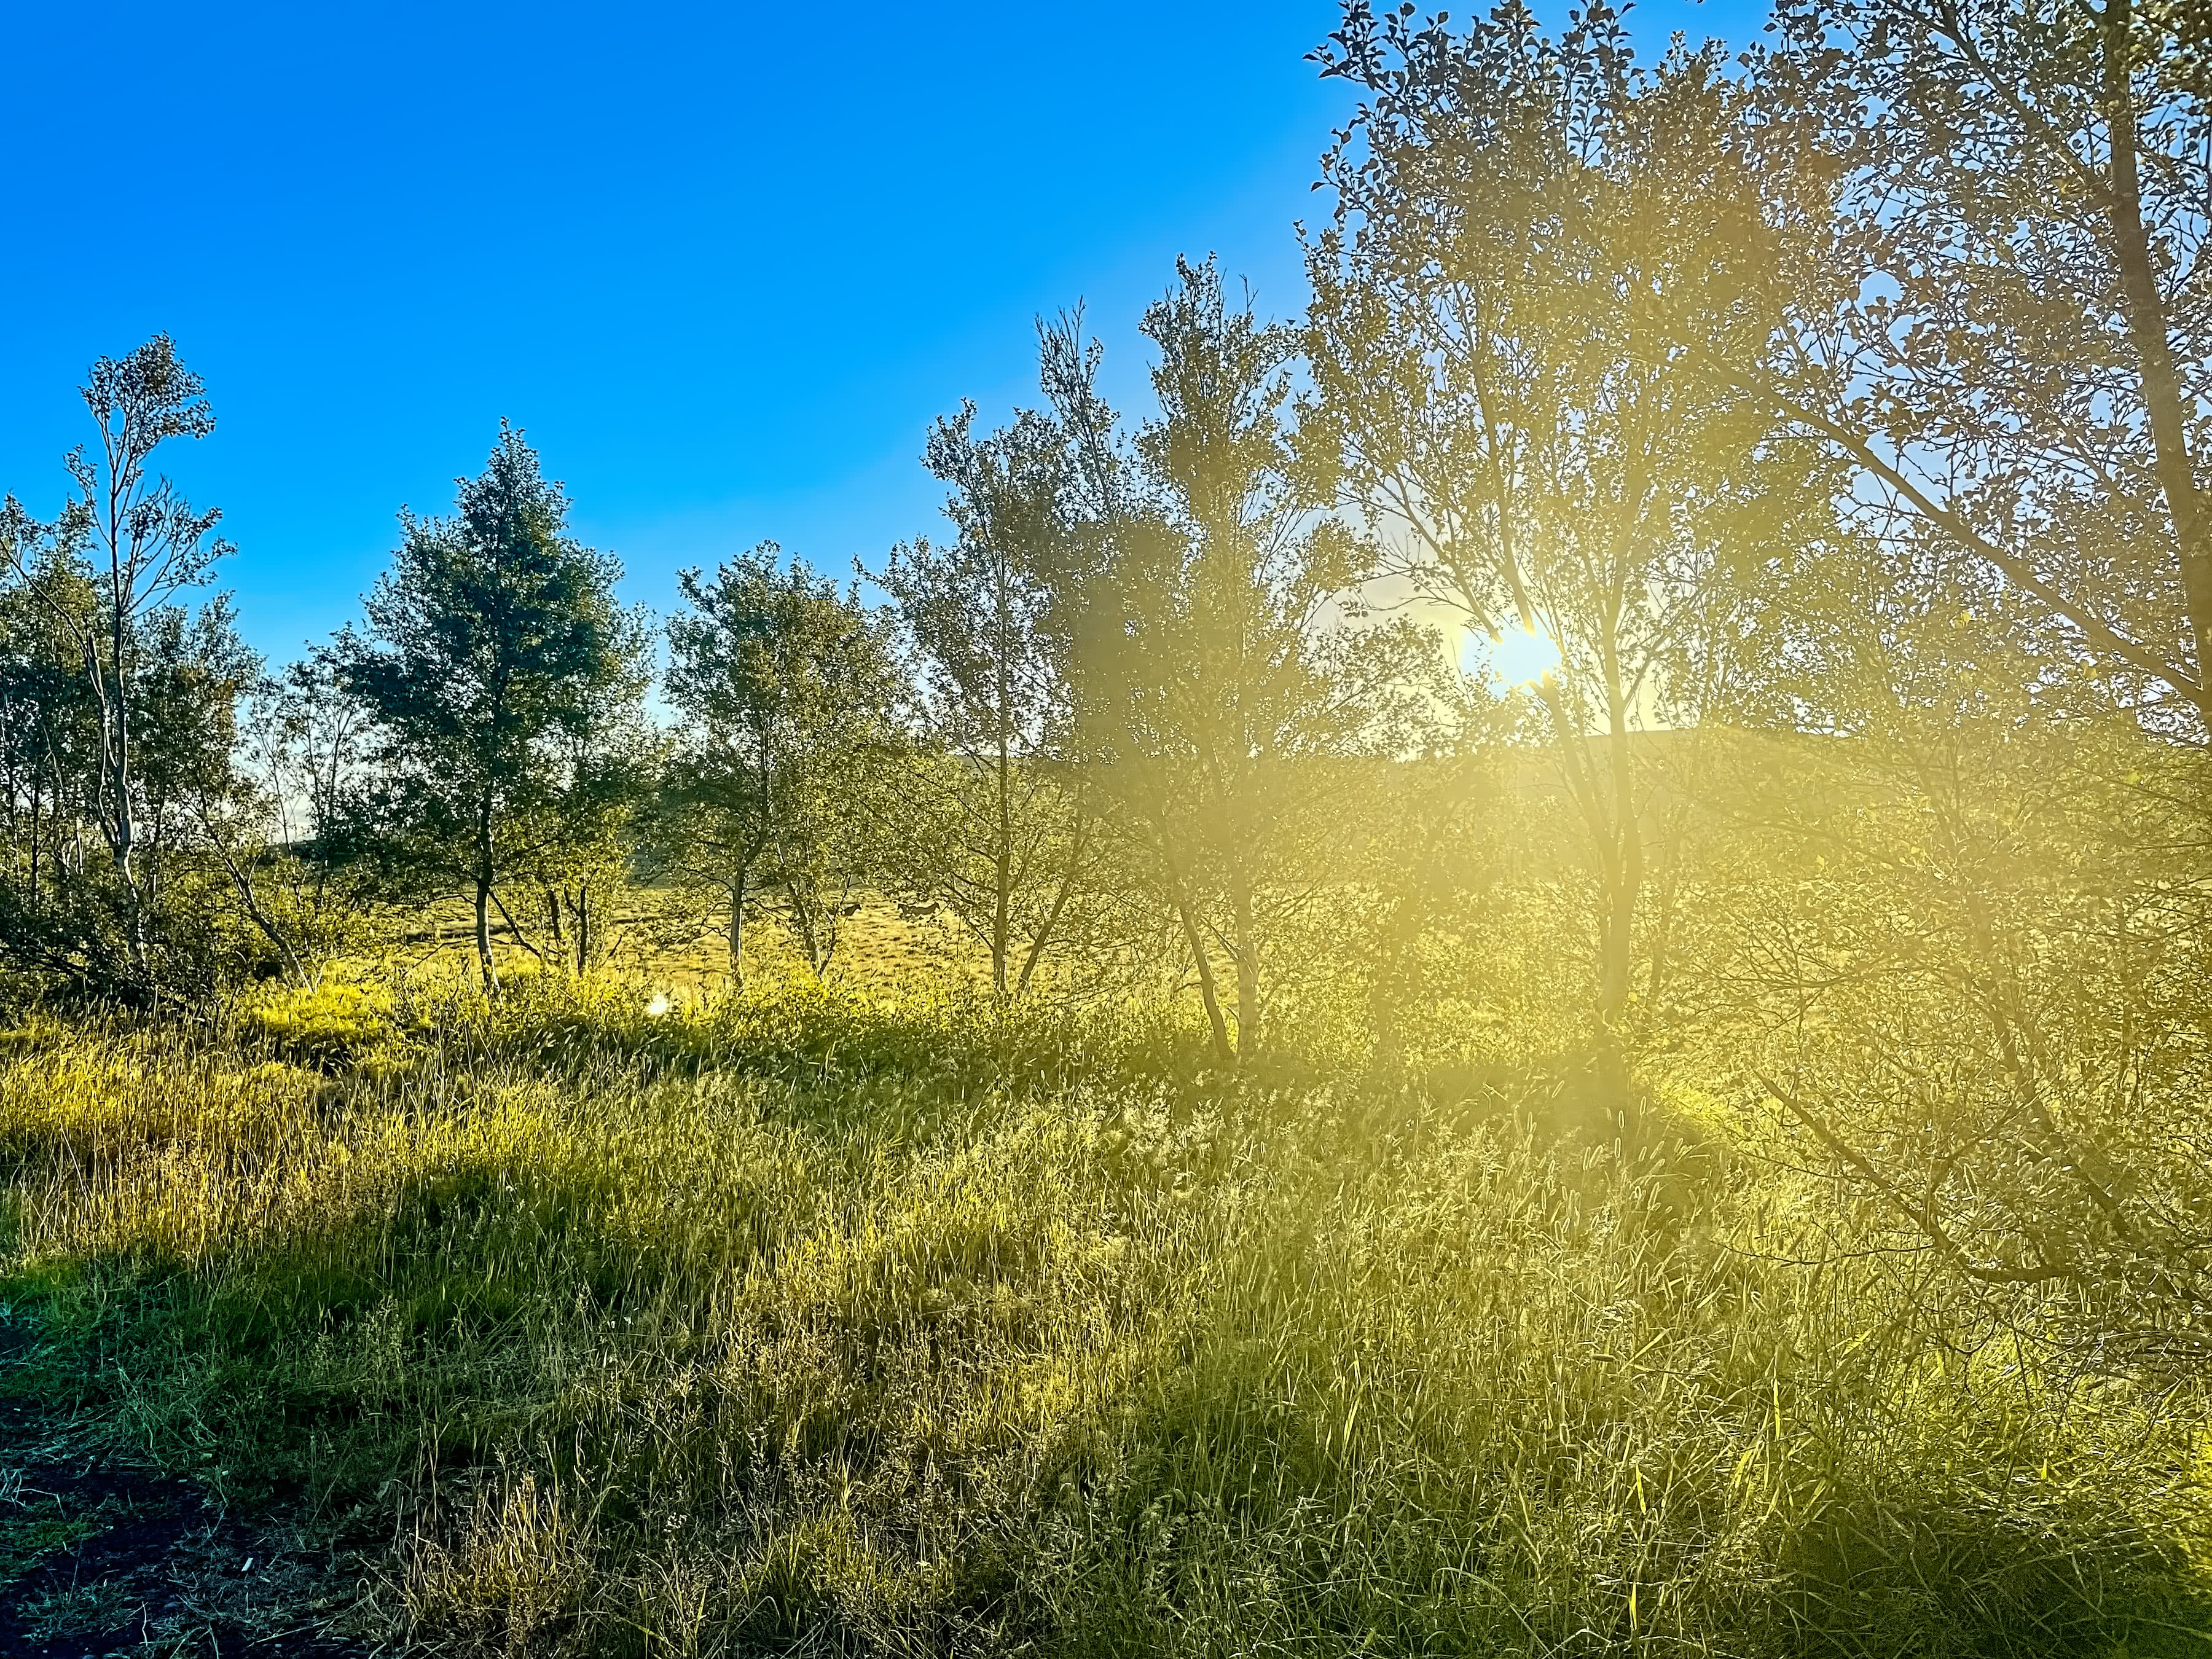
x=1115, y=703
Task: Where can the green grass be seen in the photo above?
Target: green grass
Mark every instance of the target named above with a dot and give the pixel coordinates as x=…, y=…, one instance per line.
x=811, y=1322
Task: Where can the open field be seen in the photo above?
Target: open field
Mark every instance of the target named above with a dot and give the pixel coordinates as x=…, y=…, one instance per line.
x=659, y=943
x=813, y=1322
x=1507, y=954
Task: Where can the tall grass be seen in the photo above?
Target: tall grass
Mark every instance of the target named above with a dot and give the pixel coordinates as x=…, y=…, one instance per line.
x=813, y=1324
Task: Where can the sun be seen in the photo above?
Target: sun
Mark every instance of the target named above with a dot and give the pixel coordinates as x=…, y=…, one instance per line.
x=1522, y=656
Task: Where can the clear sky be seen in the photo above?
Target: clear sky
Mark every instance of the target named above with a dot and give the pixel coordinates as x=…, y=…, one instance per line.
x=722, y=263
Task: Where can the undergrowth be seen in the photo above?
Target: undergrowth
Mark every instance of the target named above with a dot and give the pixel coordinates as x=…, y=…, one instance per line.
x=811, y=1322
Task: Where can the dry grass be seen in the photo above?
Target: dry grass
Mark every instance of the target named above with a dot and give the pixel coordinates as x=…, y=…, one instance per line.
x=658, y=944
x=813, y=1322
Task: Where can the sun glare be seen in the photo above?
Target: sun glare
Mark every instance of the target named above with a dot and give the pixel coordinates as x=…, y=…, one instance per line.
x=1522, y=656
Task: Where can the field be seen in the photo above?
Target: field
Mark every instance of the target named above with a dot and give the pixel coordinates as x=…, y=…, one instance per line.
x=836, y=1321
x=659, y=943
x=1490, y=939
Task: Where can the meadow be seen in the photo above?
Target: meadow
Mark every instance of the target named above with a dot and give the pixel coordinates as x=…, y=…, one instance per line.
x=856, y=1319
x=1517, y=965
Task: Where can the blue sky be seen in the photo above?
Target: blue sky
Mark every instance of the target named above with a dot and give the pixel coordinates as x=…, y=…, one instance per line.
x=723, y=264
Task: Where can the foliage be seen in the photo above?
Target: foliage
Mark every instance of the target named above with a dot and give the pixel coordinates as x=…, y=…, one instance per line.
x=1995, y=219
x=1538, y=254
x=1007, y=831
x=1220, y=701
x=496, y=671
x=1956, y=963
x=789, y=691
x=122, y=810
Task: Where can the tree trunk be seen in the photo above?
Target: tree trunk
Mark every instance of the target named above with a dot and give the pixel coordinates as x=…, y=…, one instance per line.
x=35, y=791
x=1247, y=971
x=14, y=814
x=484, y=873
x=483, y=936
x=1613, y=838
x=116, y=739
x=1209, y=992
x=2163, y=398
x=1080, y=839
x=242, y=878
x=1623, y=869
x=807, y=916
x=1003, y=897
x=737, y=932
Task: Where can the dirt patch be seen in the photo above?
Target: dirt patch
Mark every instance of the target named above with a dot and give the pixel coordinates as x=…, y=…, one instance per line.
x=105, y=1561
x=100, y=1559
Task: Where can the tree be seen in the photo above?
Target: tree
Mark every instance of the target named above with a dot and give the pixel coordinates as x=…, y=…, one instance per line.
x=1997, y=307
x=789, y=690
x=1956, y=959
x=120, y=704
x=1526, y=231
x=491, y=646
x=1008, y=827
x=1222, y=699
x=1988, y=296
x=142, y=543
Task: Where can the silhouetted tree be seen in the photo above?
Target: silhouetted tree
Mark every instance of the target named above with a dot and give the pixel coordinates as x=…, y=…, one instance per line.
x=1527, y=230
x=1220, y=692
x=1997, y=309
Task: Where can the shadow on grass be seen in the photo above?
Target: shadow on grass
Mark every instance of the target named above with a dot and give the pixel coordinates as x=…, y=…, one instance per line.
x=587, y=1409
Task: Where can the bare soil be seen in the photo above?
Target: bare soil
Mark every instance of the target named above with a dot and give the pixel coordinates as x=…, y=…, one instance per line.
x=101, y=1559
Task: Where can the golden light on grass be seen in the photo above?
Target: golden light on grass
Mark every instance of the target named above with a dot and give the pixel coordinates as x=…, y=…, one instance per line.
x=1032, y=1314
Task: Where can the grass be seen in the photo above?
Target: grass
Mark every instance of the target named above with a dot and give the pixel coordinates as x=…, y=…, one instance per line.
x=816, y=1321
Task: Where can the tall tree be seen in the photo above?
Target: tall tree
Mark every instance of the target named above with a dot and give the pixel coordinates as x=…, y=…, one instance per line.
x=121, y=701
x=1220, y=694
x=1526, y=229
x=1012, y=827
x=789, y=688
x=142, y=543
x=491, y=644
x=1998, y=307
